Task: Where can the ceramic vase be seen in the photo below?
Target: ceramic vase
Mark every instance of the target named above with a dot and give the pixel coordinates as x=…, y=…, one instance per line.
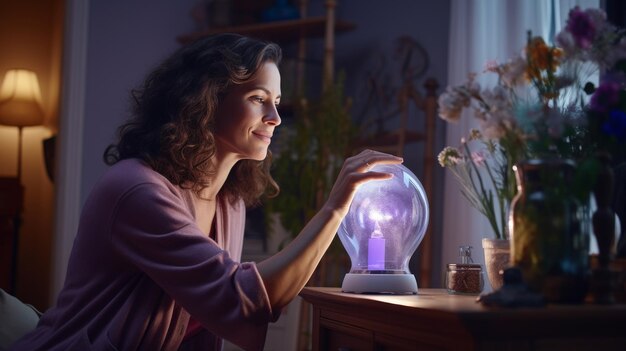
x=497, y=258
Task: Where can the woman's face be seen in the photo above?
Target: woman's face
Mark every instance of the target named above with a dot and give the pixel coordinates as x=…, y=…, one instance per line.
x=247, y=116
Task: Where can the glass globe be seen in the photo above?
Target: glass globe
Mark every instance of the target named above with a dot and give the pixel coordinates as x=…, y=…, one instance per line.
x=384, y=226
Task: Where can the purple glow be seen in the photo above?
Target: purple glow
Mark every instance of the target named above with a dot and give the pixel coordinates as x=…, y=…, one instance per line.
x=376, y=254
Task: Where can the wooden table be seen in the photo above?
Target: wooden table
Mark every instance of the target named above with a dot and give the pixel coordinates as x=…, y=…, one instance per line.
x=435, y=320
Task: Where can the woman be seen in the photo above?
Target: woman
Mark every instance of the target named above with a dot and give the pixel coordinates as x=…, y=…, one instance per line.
x=155, y=260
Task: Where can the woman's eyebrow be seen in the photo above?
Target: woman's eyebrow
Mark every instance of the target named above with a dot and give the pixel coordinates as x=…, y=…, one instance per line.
x=265, y=90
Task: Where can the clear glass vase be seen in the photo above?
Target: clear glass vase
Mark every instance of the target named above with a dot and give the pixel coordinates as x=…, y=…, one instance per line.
x=550, y=230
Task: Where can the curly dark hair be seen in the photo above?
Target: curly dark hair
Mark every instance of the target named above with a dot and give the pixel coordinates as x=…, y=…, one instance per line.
x=173, y=116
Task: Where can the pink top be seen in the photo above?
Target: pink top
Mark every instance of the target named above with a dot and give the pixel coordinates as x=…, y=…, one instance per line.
x=140, y=266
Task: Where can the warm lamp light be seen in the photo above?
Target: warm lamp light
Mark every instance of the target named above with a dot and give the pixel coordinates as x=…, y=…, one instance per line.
x=384, y=226
x=20, y=105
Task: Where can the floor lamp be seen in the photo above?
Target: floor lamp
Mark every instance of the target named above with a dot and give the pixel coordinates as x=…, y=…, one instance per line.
x=20, y=106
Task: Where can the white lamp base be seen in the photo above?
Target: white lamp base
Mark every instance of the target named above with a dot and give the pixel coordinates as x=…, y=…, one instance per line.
x=379, y=283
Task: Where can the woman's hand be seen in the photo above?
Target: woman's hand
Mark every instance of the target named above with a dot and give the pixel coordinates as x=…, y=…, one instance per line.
x=285, y=273
x=354, y=172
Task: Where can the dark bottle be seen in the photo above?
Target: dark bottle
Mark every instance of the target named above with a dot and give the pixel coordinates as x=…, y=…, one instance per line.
x=550, y=231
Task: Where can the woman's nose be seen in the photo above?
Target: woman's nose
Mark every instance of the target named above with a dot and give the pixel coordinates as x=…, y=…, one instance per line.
x=272, y=117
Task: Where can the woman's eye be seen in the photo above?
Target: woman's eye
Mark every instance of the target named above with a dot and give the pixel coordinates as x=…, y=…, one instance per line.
x=258, y=99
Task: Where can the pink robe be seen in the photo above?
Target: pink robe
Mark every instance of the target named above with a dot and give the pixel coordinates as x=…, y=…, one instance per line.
x=140, y=265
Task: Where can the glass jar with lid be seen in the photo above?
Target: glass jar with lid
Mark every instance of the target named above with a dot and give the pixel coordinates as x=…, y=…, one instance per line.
x=466, y=277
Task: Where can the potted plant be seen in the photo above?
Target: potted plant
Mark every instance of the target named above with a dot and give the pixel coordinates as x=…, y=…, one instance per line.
x=311, y=155
x=482, y=164
x=483, y=168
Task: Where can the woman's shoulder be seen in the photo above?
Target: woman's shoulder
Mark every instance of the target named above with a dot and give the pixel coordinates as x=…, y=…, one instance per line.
x=130, y=181
x=131, y=173
x=132, y=170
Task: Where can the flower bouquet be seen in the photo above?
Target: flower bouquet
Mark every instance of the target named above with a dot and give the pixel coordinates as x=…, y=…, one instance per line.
x=543, y=105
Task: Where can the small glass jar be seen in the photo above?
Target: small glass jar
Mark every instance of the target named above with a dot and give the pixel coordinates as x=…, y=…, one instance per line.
x=465, y=278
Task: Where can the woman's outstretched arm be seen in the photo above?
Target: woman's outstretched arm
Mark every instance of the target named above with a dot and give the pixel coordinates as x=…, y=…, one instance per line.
x=285, y=273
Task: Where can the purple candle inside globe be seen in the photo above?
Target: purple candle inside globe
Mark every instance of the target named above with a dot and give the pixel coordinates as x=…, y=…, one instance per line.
x=376, y=250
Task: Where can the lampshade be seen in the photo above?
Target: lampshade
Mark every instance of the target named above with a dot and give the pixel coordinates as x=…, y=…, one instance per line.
x=384, y=226
x=20, y=99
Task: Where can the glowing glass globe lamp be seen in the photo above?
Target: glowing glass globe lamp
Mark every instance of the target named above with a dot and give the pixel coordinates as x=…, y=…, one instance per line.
x=384, y=226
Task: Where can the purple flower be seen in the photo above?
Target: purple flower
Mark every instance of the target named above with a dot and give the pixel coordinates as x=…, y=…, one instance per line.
x=605, y=97
x=616, y=125
x=582, y=27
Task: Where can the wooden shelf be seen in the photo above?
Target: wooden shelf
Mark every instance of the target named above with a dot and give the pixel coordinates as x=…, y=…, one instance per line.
x=436, y=320
x=279, y=31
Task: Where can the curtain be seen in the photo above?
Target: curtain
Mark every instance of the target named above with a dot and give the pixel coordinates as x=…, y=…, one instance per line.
x=480, y=31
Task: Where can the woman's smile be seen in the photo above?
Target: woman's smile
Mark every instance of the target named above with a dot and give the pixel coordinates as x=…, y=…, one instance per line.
x=265, y=136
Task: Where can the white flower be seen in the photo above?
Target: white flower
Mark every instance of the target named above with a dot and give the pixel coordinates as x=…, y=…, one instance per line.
x=490, y=129
x=451, y=104
x=498, y=98
x=513, y=73
x=450, y=156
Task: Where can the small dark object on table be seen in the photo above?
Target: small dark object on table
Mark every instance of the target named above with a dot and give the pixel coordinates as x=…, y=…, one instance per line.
x=513, y=293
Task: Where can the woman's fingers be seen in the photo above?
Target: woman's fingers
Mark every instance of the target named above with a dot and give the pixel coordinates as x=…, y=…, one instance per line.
x=356, y=171
x=367, y=159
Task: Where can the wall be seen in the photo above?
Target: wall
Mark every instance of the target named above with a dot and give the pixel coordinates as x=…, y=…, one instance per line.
x=31, y=38
x=109, y=48
x=126, y=39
